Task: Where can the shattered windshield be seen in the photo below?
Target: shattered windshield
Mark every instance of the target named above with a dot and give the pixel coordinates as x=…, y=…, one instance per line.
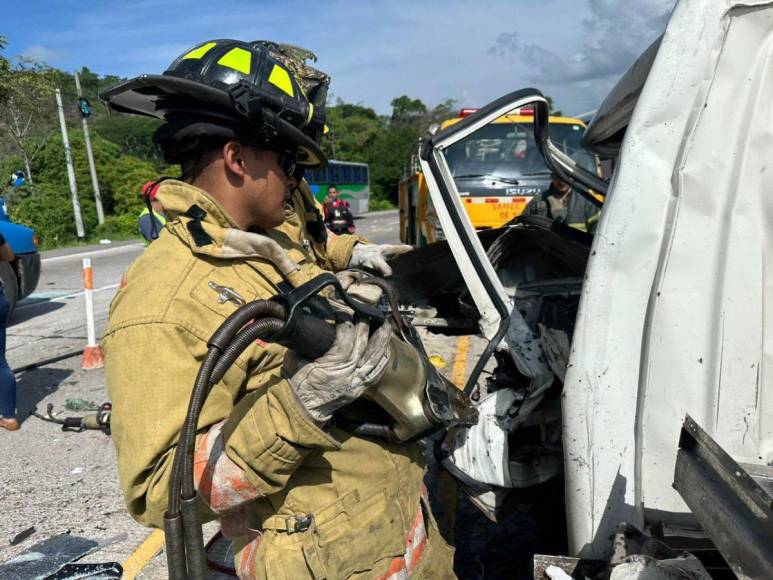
x=508, y=151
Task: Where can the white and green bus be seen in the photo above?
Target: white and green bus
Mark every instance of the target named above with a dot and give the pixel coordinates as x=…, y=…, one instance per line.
x=351, y=179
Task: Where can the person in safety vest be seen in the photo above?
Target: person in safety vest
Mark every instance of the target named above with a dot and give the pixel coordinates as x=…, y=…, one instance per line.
x=560, y=203
x=300, y=496
x=150, y=224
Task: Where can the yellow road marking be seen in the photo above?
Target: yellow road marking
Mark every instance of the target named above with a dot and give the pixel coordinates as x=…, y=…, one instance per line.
x=142, y=555
x=460, y=362
x=446, y=485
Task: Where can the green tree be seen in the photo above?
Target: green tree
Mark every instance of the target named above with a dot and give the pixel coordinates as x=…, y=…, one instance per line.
x=134, y=135
x=407, y=110
x=28, y=114
x=385, y=143
x=387, y=158
x=5, y=67
x=551, y=109
x=352, y=129
x=47, y=206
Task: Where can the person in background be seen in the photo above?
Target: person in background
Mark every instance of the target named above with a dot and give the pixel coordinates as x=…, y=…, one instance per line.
x=561, y=204
x=7, y=378
x=332, y=194
x=332, y=201
x=145, y=221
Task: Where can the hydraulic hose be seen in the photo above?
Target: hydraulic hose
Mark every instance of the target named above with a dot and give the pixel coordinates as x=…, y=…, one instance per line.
x=288, y=324
x=217, y=344
x=185, y=553
x=182, y=556
x=240, y=342
x=260, y=328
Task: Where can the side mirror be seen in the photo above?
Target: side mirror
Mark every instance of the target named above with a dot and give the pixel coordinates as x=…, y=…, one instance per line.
x=582, y=180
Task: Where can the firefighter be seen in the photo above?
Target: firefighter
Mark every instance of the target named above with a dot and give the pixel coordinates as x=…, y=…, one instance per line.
x=305, y=227
x=559, y=203
x=299, y=496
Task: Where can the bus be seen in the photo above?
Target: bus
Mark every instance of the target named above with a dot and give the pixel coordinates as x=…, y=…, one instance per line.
x=351, y=179
x=497, y=170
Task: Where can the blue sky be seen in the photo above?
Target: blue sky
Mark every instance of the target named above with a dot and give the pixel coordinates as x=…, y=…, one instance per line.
x=470, y=51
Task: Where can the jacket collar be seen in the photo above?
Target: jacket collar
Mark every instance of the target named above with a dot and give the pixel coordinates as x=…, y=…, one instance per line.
x=201, y=224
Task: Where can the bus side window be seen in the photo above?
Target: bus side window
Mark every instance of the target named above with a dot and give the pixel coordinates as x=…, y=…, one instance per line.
x=334, y=174
x=346, y=174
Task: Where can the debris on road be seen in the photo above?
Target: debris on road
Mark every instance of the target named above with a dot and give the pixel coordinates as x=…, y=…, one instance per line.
x=47, y=557
x=438, y=362
x=556, y=573
x=21, y=536
x=84, y=571
x=97, y=421
x=81, y=405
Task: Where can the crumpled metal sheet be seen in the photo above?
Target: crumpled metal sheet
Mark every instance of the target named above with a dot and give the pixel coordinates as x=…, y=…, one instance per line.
x=103, y=571
x=684, y=567
x=526, y=349
x=47, y=557
x=481, y=451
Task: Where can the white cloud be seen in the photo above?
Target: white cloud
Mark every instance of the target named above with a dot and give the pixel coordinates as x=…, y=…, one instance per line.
x=374, y=51
x=616, y=33
x=41, y=54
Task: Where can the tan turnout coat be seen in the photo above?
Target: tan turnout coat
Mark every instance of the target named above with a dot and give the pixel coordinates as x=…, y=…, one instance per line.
x=364, y=493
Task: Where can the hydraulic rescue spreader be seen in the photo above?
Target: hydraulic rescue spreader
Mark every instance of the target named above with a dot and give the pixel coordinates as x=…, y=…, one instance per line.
x=417, y=399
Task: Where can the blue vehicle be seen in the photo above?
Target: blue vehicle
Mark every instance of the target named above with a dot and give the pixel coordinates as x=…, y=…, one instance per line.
x=20, y=276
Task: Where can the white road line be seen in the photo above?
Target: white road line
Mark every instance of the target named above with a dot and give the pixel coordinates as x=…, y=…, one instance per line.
x=66, y=296
x=118, y=250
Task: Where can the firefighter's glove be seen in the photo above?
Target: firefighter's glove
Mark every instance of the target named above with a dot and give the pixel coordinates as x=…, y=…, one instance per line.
x=355, y=362
x=375, y=256
x=356, y=285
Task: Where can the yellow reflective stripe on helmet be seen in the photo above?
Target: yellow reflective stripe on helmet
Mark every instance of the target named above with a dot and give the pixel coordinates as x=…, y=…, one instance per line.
x=238, y=59
x=311, y=113
x=200, y=51
x=325, y=129
x=279, y=77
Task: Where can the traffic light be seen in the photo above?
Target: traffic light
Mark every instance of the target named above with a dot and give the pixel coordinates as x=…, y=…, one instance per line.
x=85, y=107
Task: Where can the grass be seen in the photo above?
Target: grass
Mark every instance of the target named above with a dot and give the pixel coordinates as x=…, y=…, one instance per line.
x=89, y=240
x=380, y=204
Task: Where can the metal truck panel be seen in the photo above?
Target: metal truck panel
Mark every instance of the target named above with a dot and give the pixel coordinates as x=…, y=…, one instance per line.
x=677, y=302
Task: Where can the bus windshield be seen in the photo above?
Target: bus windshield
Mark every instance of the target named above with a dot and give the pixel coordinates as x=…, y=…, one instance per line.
x=507, y=151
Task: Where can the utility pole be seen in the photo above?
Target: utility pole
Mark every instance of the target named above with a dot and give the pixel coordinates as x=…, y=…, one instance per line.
x=76, y=206
x=333, y=142
x=92, y=167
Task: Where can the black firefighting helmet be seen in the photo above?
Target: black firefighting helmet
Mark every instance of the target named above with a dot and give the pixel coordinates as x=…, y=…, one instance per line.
x=261, y=93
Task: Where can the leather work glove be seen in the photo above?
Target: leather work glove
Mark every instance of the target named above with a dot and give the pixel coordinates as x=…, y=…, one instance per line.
x=354, y=363
x=356, y=285
x=375, y=256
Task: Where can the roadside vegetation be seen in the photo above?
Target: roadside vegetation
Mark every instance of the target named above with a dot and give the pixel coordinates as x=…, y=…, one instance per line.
x=125, y=158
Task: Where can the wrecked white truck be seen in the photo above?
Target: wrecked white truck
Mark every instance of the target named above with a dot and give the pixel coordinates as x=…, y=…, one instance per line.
x=603, y=344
